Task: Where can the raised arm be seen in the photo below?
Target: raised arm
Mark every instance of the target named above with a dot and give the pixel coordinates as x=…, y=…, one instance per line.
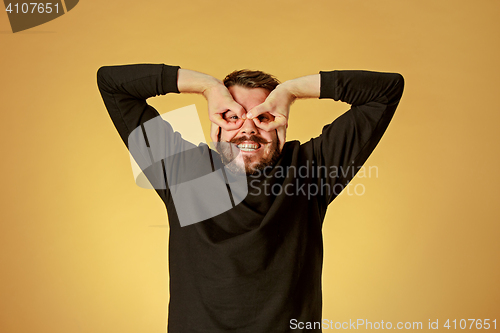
x=161, y=153
x=125, y=89
x=345, y=144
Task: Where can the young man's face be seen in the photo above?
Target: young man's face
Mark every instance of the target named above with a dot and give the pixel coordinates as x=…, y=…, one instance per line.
x=253, y=147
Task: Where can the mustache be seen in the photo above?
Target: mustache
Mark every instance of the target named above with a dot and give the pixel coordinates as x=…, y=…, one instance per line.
x=253, y=138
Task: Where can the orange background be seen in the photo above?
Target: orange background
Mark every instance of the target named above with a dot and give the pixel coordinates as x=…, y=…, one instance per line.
x=83, y=249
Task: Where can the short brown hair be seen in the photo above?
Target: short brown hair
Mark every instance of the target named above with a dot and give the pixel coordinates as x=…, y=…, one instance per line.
x=251, y=79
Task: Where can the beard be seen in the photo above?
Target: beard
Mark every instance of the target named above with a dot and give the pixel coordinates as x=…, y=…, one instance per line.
x=250, y=165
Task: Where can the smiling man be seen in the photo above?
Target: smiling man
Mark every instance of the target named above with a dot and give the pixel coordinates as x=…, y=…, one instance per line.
x=257, y=266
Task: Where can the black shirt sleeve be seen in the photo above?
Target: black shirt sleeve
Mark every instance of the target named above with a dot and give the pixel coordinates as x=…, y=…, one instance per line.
x=124, y=90
x=345, y=145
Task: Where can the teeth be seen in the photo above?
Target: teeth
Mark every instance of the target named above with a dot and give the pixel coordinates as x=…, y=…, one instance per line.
x=247, y=147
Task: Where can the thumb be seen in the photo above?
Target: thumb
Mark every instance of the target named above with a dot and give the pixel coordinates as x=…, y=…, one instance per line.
x=257, y=111
x=281, y=136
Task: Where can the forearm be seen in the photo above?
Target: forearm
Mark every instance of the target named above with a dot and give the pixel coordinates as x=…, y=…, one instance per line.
x=190, y=81
x=140, y=81
x=358, y=87
x=303, y=87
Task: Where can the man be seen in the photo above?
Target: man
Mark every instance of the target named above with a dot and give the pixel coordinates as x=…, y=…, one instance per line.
x=255, y=267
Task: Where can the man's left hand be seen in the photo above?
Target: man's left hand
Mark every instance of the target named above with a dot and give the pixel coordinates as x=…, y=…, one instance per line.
x=277, y=104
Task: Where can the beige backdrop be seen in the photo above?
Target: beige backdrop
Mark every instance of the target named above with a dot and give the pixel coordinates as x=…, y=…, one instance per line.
x=83, y=249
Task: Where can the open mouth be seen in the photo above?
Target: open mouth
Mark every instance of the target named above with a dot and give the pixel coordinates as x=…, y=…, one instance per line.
x=248, y=146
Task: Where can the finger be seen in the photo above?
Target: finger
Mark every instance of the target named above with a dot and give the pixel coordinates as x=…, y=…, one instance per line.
x=279, y=121
x=281, y=136
x=218, y=119
x=239, y=110
x=214, y=132
x=257, y=111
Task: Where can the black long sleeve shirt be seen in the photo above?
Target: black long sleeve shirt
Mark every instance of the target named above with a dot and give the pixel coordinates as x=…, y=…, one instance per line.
x=257, y=266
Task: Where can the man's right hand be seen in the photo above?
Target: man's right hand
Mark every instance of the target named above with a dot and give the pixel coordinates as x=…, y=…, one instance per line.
x=219, y=99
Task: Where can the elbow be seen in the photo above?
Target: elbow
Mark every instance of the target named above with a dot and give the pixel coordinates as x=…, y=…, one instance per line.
x=398, y=87
x=103, y=77
x=400, y=80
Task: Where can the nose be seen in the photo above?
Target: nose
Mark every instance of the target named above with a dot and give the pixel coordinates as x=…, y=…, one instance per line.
x=248, y=127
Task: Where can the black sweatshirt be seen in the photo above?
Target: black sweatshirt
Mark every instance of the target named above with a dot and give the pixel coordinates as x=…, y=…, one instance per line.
x=257, y=267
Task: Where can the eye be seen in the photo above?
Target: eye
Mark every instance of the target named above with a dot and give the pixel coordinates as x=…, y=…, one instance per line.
x=231, y=117
x=264, y=118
